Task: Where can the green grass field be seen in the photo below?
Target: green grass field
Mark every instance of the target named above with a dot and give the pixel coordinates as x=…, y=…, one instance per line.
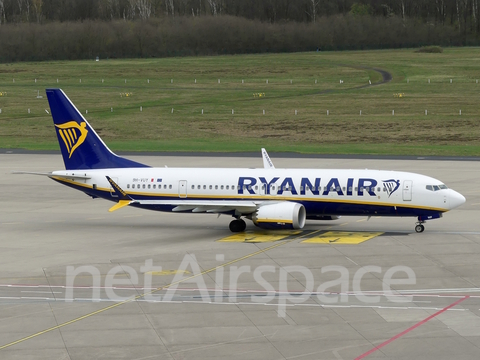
x=306, y=82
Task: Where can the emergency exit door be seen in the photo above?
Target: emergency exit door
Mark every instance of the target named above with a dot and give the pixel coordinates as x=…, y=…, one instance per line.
x=182, y=188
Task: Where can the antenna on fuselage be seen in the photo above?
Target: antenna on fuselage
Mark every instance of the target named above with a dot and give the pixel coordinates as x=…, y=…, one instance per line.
x=267, y=163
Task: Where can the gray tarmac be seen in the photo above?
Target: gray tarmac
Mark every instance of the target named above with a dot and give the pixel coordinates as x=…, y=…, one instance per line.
x=207, y=300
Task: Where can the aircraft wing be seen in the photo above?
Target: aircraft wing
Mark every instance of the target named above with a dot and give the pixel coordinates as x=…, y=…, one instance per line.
x=208, y=206
x=196, y=206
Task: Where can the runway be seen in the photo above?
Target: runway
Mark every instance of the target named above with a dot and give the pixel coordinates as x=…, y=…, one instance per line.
x=78, y=282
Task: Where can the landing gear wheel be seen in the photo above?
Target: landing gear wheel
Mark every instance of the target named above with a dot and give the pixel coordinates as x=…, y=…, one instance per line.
x=419, y=228
x=237, y=225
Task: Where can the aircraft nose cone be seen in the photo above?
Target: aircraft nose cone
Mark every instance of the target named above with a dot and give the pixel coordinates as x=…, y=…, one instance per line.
x=456, y=199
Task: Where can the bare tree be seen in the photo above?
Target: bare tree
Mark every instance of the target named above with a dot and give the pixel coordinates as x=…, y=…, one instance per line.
x=213, y=7
x=144, y=9
x=110, y=9
x=37, y=6
x=441, y=7
x=474, y=15
x=20, y=3
x=132, y=6
x=170, y=7
x=314, y=10
x=2, y=11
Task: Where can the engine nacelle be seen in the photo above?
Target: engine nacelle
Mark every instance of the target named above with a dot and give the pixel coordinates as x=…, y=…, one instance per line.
x=323, y=217
x=283, y=215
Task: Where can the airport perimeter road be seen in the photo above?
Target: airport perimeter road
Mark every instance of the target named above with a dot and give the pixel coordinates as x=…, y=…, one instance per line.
x=78, y=282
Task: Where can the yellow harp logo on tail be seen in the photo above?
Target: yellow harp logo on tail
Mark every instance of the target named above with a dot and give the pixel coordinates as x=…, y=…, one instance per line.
x=73, y=135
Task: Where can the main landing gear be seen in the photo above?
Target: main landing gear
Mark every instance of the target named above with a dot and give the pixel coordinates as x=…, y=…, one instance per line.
x=237, y=225
x=419, y=227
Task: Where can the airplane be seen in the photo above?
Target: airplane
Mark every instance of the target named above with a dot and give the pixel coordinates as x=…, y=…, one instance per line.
x=271, y=198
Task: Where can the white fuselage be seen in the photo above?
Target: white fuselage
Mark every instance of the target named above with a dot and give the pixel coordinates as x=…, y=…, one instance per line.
x=322, y=192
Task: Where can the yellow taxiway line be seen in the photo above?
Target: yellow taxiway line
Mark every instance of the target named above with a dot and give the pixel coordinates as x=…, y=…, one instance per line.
x=329, y=237
x=342, y=237
x=259, y=237
x=145, y=294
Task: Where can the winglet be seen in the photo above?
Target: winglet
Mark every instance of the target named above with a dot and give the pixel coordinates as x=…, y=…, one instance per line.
x=267, y=163
x=120, y=205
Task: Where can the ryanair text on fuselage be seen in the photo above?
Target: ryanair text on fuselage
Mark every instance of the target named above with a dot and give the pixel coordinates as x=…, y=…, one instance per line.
x=358, y=187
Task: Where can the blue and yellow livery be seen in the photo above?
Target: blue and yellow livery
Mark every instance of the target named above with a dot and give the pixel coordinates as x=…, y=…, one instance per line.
x=269, y=197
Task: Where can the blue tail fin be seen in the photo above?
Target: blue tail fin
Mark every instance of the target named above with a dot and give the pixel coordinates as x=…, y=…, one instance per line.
x=81, y=147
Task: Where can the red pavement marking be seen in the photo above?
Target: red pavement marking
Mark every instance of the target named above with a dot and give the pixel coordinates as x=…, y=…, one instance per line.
x=411, y=328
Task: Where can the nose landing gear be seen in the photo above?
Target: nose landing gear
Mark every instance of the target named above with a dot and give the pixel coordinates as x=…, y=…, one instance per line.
x=419, y=227
x=422, y=218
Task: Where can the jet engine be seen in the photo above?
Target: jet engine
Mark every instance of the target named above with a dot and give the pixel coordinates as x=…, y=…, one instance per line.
x=283, y=215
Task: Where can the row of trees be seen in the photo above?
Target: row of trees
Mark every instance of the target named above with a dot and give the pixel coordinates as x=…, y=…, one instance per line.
x=212, y=35
x=459, y=12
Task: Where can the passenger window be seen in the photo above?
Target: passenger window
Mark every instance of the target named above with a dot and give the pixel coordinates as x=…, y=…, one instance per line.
x=138, y=186
x=149, y=186
x=256, y=187
x=204, y=187
x=350, y=189
x=199, y=187
x=193, y=187
x=221, y=187
x=143, y=186
x=210, y=187
x=128, y=186
x=227, y=187
x=154, y=186
x=169, y=186
x=249, y=187
x=216, y=187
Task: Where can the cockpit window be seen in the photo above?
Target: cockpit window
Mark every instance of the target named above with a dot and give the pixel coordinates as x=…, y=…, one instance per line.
x=436, y=187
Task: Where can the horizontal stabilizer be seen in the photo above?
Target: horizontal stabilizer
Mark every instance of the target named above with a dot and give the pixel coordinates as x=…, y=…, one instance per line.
x=49, y=174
